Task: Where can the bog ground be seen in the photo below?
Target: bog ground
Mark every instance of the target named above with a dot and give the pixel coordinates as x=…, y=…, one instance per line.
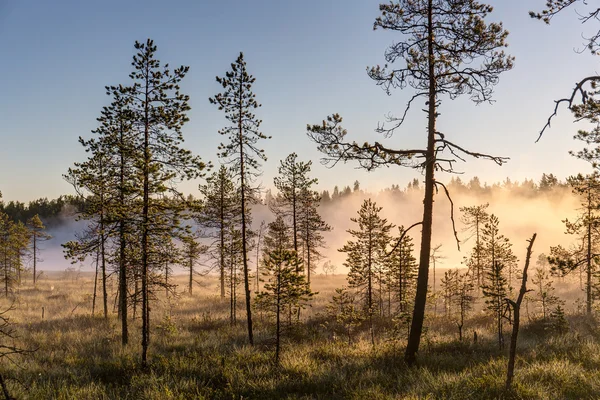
x=196, y=353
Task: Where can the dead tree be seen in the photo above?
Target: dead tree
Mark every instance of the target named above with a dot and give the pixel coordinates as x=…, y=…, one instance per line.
x=515, y=307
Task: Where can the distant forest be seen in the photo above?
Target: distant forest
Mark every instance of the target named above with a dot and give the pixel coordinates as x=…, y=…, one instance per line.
x=64, y=208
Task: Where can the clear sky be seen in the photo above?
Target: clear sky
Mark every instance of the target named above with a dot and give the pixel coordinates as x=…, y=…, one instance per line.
x=309, y=58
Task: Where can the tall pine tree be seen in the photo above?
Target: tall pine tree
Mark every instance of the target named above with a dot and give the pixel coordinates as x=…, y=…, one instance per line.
x=242, y=153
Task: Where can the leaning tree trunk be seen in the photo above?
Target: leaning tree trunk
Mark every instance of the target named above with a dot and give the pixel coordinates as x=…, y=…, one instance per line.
x=416, y=327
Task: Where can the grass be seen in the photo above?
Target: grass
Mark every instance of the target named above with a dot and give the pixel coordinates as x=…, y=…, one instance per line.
x=196, y=354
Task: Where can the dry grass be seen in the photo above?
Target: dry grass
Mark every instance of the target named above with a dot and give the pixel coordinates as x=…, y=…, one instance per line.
x=195, y=353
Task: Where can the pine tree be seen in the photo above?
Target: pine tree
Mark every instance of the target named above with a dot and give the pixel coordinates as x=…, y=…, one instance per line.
x=495, y=290
x=473, y=219
x=463, y=300
x=38, y=234
x=238, y=102
x=402, y=268
x=284, y=290
x=159, y=111
x=544, y=291
x=14, y=238
x=584, y=227
x=365, y=256
x=447, y=50
x=117, y=135
x=219, y=211
x=498, y=257
x=92, y=177
x=449, y=284
x=311, y=226
x=293, y=184
x=344, y=310
x=191, y=252
x=107, y=181
x=233, y=257
x=20, y=238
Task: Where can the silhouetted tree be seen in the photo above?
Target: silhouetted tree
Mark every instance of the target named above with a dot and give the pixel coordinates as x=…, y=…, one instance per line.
x=402, y=269
x=311, y=227
x=38, y=234
x=584, y=227
x=159, y=111
x=285, y=289
x=448, y=50
x=293, y=183
x=498, y=257
x=365, y=256
x=238, y=102
x=219, y=211
x=473, y=219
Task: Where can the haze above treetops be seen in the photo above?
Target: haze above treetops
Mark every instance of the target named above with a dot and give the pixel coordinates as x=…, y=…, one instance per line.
x=522, y=207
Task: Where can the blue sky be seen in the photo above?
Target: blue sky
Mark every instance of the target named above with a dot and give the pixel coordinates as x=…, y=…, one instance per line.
x=309, y=58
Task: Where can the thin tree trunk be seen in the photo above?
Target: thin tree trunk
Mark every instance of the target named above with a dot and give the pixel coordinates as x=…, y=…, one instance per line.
x=416, y=328
x=6, y=273
x=135, y=291
x=516, y=317
x=191, y=261
x=222, y=237
x=244, y=238
x=257, y=257
x=34, y=258
x=589, y=256
x=103, y=260
x=278, y=323
x=145, y=223
x=95, y=284
x=122, y=250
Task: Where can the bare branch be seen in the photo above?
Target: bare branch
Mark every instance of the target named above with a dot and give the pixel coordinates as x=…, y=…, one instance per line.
x=451, y=212
x=454, y=147
x=569, y=100
x=402, y=237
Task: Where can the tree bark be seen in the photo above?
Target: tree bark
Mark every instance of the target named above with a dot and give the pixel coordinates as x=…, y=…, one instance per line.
x=122, y=248
x=416, y=327
x=516, y=309
x=243, y=195
x=145, y=223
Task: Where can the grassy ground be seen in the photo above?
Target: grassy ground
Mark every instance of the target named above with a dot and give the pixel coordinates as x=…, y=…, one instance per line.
x=195, y=353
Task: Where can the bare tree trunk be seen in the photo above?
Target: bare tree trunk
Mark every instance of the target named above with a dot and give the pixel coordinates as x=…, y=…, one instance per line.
x=416, y=327
x=222, y=238
x=244, y=238
x=95, y=284
x=145, y=224
x=122, y=251
x=516, y=309
x=34, y=258
x=278, y=322
x=589, y=256
x=191, y=261
x=103, y=260
x=257, y=257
